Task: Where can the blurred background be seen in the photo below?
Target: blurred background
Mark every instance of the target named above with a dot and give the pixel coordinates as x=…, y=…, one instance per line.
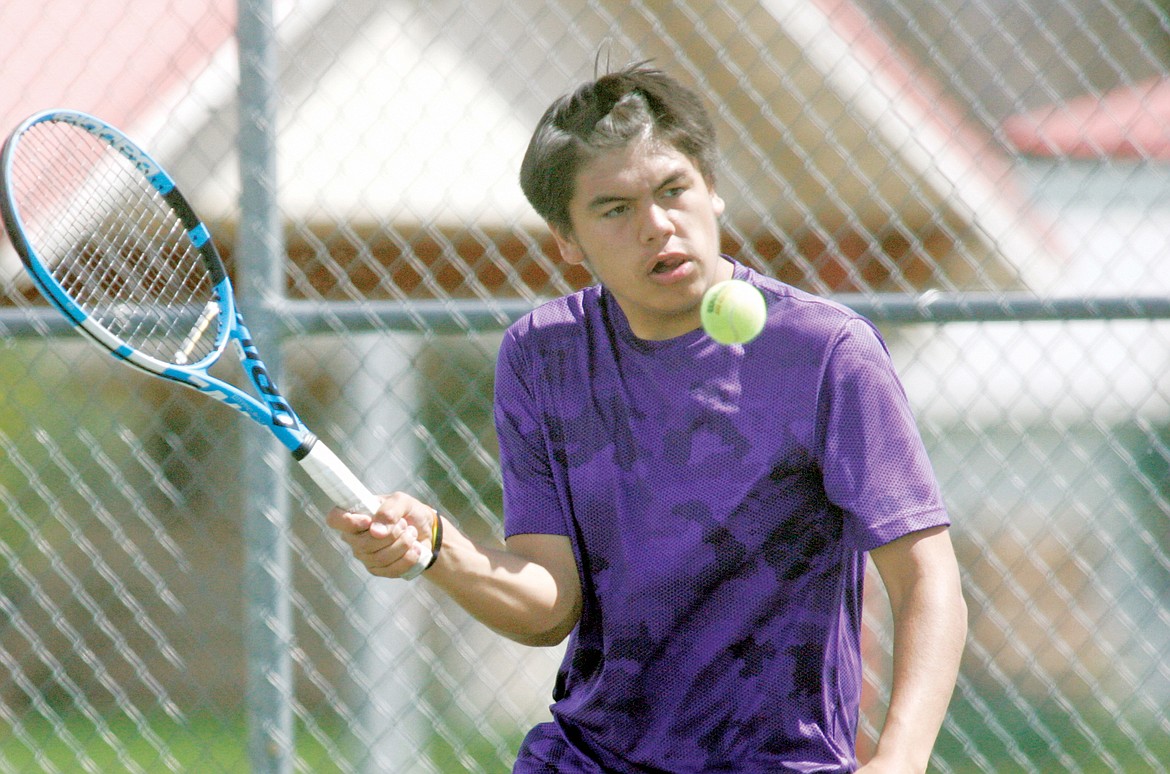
x=988, y=180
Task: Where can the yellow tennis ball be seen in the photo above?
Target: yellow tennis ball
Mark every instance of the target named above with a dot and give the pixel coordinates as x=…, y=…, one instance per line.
x=733, y=312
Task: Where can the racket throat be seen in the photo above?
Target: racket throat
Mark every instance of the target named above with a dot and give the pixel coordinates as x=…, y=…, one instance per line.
x=282, y=414
x=210, y=314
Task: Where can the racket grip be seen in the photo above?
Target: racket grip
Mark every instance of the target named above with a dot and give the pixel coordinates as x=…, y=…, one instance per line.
x=348, y=492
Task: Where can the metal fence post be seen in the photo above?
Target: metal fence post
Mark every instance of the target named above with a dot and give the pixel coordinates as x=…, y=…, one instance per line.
x=259, y=251
x=383, y=394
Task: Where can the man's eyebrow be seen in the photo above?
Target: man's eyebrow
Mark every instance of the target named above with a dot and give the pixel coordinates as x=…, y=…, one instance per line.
x=604, y=200
x=674, y=178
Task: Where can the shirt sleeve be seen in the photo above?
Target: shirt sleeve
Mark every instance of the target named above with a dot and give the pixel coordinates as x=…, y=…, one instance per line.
x=531, y=499
x=874, y=463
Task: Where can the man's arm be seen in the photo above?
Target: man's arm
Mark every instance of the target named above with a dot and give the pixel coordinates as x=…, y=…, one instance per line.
x=921, y=576
x=529, y=592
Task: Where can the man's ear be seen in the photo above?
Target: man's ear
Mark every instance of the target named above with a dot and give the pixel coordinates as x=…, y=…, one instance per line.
x=571, y=252
x=717, y=203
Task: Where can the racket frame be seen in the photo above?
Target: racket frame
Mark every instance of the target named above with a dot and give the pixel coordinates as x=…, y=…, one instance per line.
x=274, y=411
x=270, y=409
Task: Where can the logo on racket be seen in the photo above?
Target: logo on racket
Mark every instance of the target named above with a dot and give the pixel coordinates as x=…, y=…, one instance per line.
x=282, y=413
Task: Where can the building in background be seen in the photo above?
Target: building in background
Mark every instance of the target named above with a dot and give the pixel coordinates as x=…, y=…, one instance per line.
x=874, y=146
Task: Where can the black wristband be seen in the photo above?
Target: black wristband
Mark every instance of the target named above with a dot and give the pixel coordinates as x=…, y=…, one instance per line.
x=436, y=540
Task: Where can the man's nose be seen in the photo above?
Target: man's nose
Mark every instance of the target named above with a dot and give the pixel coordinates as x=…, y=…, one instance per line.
x=657, y=223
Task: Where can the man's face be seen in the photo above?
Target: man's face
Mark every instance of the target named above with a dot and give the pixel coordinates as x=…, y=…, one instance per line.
x=646, y=223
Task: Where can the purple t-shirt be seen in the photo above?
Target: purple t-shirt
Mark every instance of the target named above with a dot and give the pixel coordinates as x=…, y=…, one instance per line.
x=719, y=501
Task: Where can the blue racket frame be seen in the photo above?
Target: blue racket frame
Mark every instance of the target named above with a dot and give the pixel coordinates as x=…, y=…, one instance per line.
x=270, y=409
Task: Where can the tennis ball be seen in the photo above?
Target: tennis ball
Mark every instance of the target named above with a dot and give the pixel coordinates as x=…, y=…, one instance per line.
x=733, y=312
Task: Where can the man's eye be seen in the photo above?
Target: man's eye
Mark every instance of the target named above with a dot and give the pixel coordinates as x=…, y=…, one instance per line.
x=615, y=211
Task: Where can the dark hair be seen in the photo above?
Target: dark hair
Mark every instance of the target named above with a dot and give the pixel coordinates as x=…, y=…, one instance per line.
x=608, y=113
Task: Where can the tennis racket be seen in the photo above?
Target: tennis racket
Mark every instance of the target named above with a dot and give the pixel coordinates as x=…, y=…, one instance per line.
x=110, y=241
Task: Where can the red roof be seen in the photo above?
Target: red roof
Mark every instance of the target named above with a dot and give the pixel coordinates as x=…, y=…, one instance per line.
x=1129, y=122
x=113, y=58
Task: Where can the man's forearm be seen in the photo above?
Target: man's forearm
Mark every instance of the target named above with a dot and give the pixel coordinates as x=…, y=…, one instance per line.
x=529, y=592
x=928, y=645
x=522, y=599
x=930, y=629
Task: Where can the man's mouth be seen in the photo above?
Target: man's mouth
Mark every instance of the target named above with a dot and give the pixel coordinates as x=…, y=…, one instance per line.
x=667, y=265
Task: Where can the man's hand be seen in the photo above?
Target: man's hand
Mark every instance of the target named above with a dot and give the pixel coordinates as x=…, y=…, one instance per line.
x=385, y=542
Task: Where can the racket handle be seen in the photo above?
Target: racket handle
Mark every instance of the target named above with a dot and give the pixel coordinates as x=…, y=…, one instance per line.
x=348, y=492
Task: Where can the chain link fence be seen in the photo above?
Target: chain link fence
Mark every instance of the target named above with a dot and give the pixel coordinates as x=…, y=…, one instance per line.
x=988, y=180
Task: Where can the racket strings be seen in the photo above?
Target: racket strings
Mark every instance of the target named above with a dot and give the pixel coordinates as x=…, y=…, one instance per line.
x=115, y=245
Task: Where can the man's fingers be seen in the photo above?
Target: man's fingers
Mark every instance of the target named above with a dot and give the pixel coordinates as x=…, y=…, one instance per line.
x=382, y=544
x=346, y=522
x=385, y=542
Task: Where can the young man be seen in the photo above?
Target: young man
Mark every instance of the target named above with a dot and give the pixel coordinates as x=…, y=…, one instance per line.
x=695, y=517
